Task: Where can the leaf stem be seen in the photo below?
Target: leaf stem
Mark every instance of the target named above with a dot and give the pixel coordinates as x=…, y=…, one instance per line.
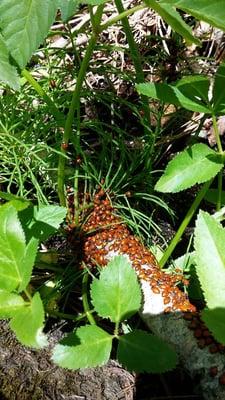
x=135, y=55
x=185, y=223
x=85, y=299
x=217, y=134
x=75, y=104
x=120, y=16
x=52, y=107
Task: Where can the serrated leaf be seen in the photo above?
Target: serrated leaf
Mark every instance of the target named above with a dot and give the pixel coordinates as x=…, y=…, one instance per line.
x=116, y=294
x=68, y=8
x=218, y=92
x=173, y=18
x=12, y=249
x=41, y=222
x=8, y=73
x=28, y=262
x=215, y=321
x=28, y=324
x=143, y=352
x=212, y=12
x=210, y=259
x=24, y=25
x=196, y=164
x=88, y=346
x=10, y=303
x=170, y=94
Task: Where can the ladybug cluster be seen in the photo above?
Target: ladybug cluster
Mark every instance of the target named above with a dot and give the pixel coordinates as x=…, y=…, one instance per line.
x=104, y=235
x=107, y=235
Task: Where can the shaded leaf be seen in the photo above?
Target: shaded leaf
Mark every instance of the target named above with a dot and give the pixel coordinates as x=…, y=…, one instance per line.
x=28, y=324
x=210, y=259
x=8, y=73
x=68, y=8
x=142, y=352
x=10, y=304
x=218, y=91
x=215, y=321
x=171, y=95
x=41, y=222
x=24, y=25
x=173, y=18
x=116, y=294
x=212, y=12
x=196, y=88
x=196, y=164
x=212, y=196
x=88, y=346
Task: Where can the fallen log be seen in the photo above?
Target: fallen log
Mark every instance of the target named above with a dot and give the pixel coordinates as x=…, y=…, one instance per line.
x=166, y=309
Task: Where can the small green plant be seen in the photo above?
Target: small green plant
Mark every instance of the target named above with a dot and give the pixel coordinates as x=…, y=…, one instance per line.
x=115, y=295
x=195, y=165
x=20, y=234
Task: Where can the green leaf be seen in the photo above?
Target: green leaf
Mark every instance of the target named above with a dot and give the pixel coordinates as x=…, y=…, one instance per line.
x=116, y=294
x=28, y=324
x=210, y=259
x=196, y=88
x=41, y=222
x=24, y=25
x=10, y=303
x=93, y=2
x=19, y=203
x=12, y=249
x=171, y=95
x=173, y=18
x=8, y=73
x=28, y=262
x=212, y=12
x=88, y=346
x=218, y=91
x=142, y=352
x=215, y=321
x=68, y=8
x=196, y=164
x=212, y=196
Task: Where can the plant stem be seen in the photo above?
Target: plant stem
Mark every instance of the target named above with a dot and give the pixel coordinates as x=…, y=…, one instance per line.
x=122, y=15
x=52, y=107
x=85, y=299
x=75, y=104
x=61, y=315
x=185, y=223
x=220, y=175
x=135, y=55
x=217, y=134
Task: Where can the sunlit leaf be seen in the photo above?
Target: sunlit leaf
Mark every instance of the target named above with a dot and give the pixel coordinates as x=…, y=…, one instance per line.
x=24, y=25
x=28, y=324
x=116, y=294
x=10, y=303
x=196, y=164
x=210, y=259
x=215, y=321
x=88, y=346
